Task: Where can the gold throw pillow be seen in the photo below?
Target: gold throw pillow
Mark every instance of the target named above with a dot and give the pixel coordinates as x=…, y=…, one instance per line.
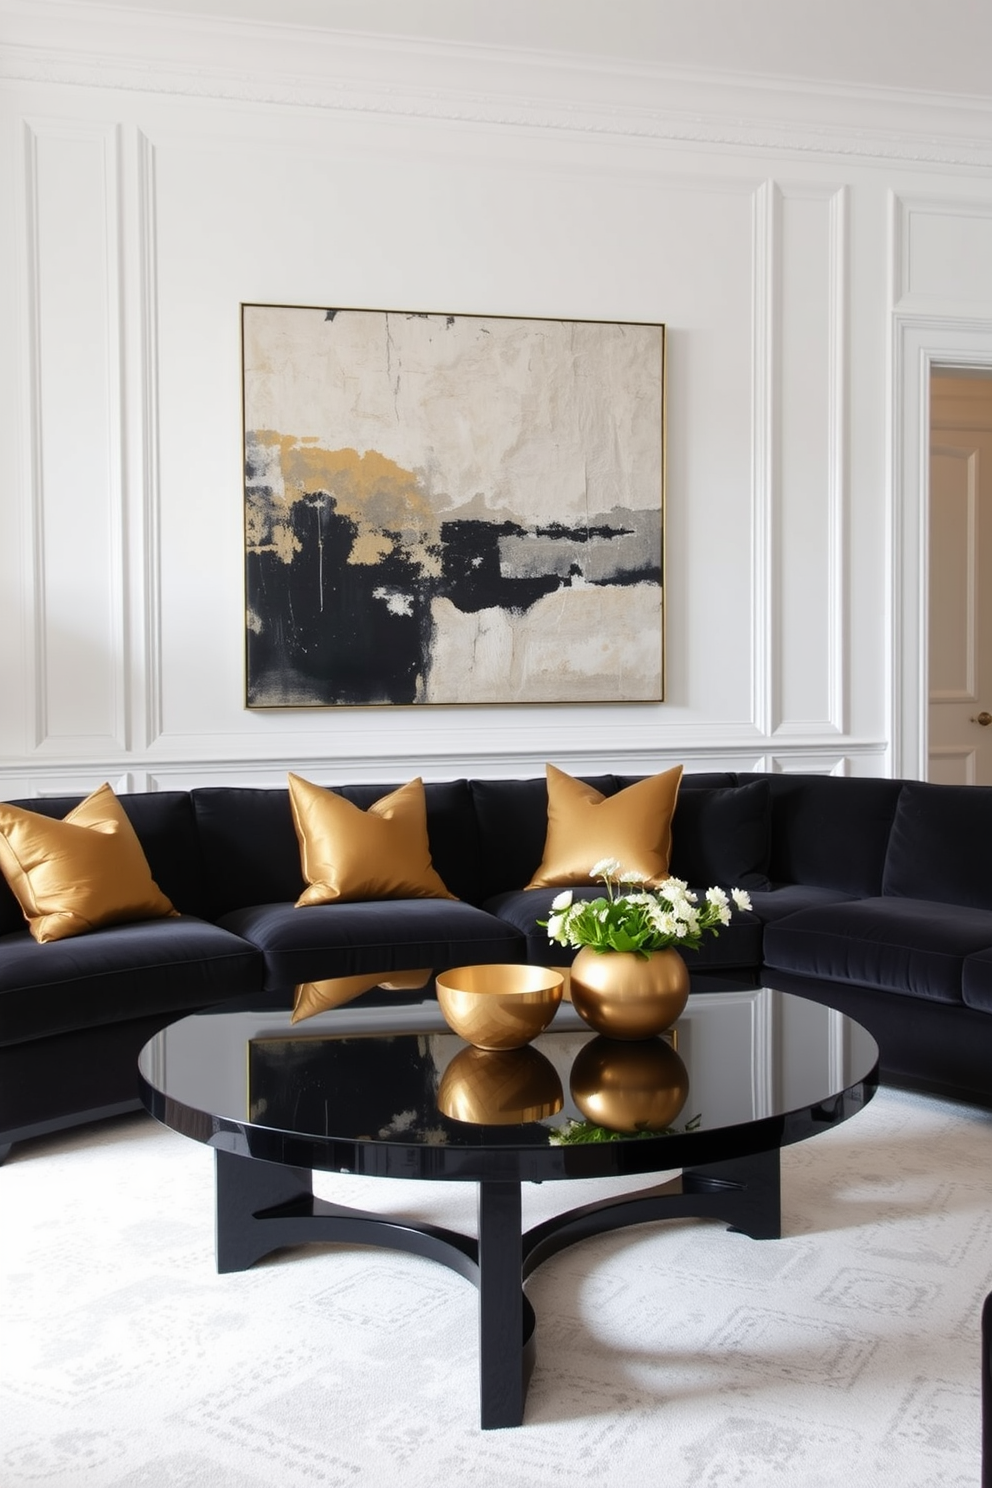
x=584, y=827
x=348, y=854
x=78, y=874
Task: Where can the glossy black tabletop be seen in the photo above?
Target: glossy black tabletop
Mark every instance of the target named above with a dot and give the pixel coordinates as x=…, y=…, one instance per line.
x=389, y=1091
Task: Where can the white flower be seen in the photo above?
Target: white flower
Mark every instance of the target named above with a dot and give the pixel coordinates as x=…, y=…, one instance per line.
x=662, y=921
x=681, y=902
x=741, y=898
x=630, y=877
x=605, y=868
x=556, y=924
x=561, y=901
x=717, y=897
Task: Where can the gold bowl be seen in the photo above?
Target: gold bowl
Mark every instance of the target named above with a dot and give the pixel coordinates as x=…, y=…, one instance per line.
x=629, y=1087
x=500, y=1087
x=499, y=1006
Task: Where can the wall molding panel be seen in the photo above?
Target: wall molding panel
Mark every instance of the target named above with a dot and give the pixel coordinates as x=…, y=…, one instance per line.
x=72, y=219
x=765, y=413
x=788, y=417
x=146, y=607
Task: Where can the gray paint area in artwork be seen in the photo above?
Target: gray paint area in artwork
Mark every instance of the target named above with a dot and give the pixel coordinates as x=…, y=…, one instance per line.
x=610, y=549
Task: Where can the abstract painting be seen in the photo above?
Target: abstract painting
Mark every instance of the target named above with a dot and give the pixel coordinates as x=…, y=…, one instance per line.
x=446, y=509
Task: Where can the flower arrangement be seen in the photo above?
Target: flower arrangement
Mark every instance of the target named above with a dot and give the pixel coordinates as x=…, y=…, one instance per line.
x=641, y=920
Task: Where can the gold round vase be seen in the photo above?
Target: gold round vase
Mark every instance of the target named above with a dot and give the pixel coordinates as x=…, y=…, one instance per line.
x=626, y=996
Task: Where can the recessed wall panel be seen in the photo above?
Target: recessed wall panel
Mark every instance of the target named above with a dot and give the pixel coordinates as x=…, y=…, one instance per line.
x=809, y=310
x=72, y=194
x=946, y=250
x=501, y=240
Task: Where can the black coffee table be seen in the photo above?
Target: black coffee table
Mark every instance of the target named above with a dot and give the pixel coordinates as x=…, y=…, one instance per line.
x=365, y=1089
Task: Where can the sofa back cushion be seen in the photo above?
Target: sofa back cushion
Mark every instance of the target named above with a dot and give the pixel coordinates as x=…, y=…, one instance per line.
x=939, y=846
x=513, y=824
x=166, y=829
x=722, y=837
x=252, y=854
x=830, y=832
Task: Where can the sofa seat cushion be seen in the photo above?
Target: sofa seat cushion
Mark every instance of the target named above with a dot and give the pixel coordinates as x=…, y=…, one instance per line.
x=737, y=945
x=117, y=974
x=912, y=946
x=786, y=899
x=976, y=981
x=330, y=940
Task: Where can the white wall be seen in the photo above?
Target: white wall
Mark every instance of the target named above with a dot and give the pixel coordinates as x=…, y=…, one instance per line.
x=809, y=250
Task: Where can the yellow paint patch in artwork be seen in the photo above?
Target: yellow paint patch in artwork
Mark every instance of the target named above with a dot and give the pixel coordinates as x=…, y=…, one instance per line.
x=373, y=491
x=284, y=542
x=370, y=547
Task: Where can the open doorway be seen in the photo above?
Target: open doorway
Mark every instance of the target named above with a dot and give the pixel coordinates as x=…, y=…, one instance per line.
x=960, y=577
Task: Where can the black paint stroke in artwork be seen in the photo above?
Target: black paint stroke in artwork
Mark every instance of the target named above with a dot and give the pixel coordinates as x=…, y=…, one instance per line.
x=328, y=631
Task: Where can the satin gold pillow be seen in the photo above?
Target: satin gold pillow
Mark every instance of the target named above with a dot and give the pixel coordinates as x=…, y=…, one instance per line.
x=634, y=826
x=347, y=853
x=76, y=875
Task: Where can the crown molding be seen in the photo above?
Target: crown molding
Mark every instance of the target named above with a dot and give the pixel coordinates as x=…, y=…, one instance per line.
x=108, y=47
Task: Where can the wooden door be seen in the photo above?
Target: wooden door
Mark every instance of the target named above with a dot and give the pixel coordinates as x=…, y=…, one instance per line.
x=960, y=575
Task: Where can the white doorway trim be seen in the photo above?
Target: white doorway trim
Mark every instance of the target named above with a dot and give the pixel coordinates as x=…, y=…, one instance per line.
x=921, y=344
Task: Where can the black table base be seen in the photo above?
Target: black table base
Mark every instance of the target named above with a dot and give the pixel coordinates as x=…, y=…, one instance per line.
x=262, y=1207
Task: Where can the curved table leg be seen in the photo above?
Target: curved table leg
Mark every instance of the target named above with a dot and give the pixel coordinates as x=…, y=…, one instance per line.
x=745, y=1193
x=262, y=1207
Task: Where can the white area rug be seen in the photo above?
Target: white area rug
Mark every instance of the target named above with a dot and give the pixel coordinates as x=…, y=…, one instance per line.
x=675, y=1354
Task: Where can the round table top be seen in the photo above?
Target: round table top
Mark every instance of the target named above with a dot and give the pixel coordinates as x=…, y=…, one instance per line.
x=390, y=1091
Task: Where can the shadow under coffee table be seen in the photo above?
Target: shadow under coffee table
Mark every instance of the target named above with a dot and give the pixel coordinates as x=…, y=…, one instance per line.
x=388, y=1091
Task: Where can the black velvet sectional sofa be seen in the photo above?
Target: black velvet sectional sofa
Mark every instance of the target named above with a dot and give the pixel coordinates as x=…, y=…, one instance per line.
x=872, y=895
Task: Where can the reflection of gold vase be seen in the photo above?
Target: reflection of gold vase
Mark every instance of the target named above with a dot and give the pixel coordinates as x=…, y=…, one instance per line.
x=629, y=1087
x=626, y=996
x=500, y=1087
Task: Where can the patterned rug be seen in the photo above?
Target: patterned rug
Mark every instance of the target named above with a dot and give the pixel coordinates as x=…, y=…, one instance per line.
x=675, y=1354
